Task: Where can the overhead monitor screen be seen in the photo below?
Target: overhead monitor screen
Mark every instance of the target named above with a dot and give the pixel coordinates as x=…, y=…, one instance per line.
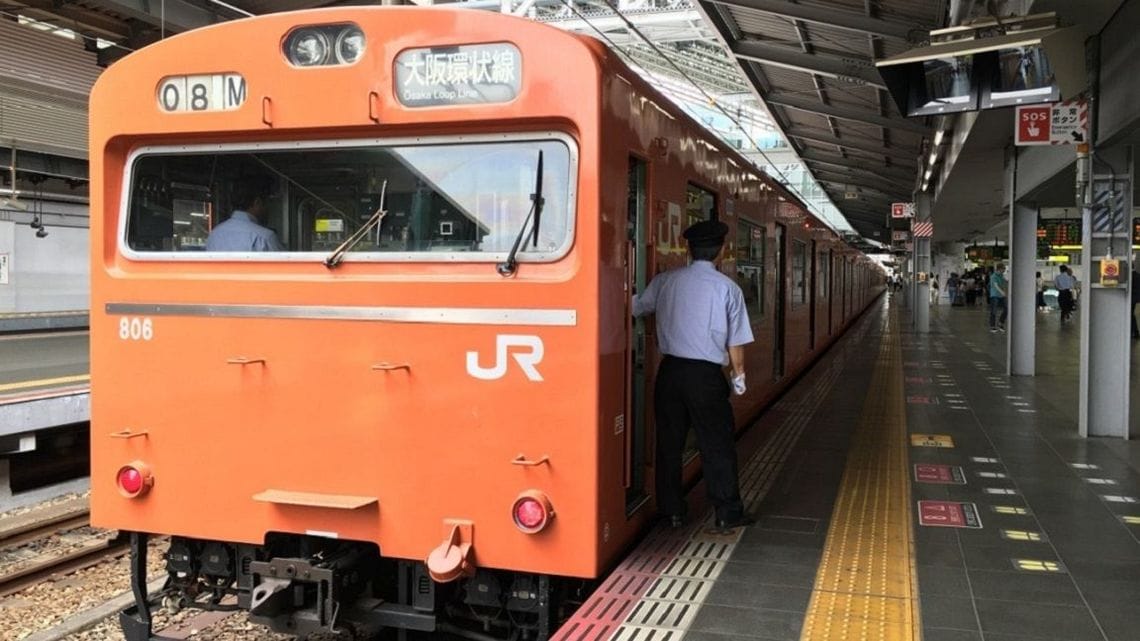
x=949, y=86
x=1024, y=76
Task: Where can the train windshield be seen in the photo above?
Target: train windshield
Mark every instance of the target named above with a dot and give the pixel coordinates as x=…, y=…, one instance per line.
x=455, y=200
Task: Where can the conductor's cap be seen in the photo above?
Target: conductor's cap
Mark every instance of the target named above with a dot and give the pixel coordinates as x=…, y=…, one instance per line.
x=707, y=233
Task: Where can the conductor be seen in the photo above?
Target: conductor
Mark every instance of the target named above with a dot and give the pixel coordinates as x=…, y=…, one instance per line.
x=702, y=324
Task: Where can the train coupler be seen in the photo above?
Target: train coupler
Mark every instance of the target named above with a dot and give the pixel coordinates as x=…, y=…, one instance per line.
x=304, y=596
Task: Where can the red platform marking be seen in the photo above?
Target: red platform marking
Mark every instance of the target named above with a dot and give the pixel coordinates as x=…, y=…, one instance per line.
x=937, y=473
x=921, y=400
x=609, y=606
x=948, y=514
x=917, y=380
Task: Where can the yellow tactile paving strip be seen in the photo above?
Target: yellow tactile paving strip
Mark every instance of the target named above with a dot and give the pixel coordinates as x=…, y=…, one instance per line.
x=866, y=587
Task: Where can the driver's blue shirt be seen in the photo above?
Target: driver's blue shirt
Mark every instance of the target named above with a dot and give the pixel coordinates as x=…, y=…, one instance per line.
x=242, y=233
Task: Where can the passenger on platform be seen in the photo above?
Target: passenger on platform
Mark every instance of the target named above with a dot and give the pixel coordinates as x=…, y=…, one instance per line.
x=1065, y=283
x=702, y=324
x=934, y=290
x=968, y=284
x=952, y=285
x=1135, y=299
x=1040, y=285
x=243, y=231
x=998, y=287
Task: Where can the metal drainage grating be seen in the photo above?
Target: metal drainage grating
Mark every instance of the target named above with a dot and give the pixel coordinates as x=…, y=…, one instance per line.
x=669, y=588
x=689, y=568
x=604, y=608
x=641, y=633
x=626, y=584
x=703, y=549
x=663, y=614
x=578, y=631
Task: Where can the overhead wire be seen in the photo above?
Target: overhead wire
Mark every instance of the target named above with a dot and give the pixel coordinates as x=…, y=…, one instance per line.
x=780, y=176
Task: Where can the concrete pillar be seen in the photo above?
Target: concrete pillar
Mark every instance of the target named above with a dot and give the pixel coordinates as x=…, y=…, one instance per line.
x=1021, y=341
x=1105, y=311
x=923, y=205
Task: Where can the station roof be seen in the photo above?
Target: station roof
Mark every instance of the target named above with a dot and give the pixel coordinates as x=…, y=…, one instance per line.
x=812, y=62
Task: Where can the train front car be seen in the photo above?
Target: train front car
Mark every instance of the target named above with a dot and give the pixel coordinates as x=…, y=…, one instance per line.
x=372, y=393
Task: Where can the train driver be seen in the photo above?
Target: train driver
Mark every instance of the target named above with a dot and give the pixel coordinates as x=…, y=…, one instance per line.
x=702, y=324
x=243, y=231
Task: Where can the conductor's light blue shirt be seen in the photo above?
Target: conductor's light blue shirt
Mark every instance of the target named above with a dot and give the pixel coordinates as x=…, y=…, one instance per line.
x=700, y=312
x=1065, y=281
x=242, y=233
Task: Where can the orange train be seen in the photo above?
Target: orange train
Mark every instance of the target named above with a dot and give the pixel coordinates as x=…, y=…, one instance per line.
x=427, y=407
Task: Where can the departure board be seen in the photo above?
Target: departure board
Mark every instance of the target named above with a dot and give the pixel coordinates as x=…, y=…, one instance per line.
x=986, y=253
x=1060, y=231
x=1136, y=231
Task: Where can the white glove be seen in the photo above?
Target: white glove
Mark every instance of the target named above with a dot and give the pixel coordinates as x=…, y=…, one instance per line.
x=738, y=385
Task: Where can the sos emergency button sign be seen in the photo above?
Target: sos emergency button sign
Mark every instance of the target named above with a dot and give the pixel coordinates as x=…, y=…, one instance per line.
x=1064, y=123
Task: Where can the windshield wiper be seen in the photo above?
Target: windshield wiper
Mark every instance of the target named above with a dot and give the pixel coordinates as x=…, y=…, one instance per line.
x=337, y=255
x=508, y=266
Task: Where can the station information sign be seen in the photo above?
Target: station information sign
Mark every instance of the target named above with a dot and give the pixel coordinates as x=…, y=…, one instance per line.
x=1136, y=231
x=1060, y=231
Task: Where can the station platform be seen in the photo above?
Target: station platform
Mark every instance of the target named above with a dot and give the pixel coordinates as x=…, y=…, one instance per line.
x=905, y=488
x=43, y=321
x=44, y=383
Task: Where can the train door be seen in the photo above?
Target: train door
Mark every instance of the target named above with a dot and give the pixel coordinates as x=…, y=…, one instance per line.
x=636, y=276
x=846, y=289
x=830, y=293
x=781, y=297
x=813, y=296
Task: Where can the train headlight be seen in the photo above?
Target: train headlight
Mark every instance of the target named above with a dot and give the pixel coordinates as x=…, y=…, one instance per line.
x=532, y=511
x=349, y=45
x=324, y=45
x=134, y=479
x=307, y=48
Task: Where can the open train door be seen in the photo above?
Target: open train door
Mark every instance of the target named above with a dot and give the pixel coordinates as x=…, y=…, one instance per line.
x=637, y=344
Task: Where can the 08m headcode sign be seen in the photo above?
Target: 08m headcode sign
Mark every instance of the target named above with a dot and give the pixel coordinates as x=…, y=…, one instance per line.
x=214, y=92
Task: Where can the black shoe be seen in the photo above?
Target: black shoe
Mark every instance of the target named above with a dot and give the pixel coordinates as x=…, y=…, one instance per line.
x=675, y=521
x=744, y=520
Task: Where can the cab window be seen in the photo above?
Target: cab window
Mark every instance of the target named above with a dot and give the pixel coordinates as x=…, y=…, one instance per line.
x=450, y=201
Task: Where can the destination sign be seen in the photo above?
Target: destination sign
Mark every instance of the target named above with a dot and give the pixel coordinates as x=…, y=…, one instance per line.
x=211, y=92
x=458, y=75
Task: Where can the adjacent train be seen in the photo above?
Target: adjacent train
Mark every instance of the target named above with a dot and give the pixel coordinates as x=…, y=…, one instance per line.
x=427, y=409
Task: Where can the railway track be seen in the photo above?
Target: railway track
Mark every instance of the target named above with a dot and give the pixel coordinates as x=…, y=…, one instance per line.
x=54, y=562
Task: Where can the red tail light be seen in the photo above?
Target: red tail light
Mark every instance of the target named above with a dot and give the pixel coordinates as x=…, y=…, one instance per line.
x=134, y=479
x=532, y=511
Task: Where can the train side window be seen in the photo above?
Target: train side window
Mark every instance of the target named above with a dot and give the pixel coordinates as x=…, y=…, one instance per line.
x=799, y=273
x=700, y=204
x=750, y=244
